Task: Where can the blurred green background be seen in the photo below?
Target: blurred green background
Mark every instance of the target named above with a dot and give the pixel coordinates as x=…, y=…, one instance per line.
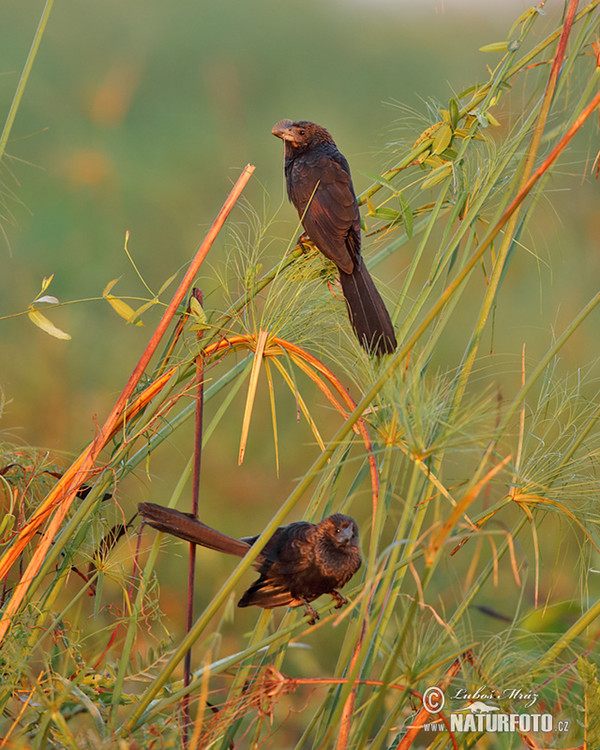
x=139, y=116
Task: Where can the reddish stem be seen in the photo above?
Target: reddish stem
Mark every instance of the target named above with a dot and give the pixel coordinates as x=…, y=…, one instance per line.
x=187, y=662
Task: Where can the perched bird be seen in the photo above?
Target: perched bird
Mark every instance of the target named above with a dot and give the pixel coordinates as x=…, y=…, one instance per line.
x=320, y=187
x=298, y=563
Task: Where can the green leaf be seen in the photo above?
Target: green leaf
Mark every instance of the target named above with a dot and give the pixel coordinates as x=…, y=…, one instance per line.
x=7, y=523
x=167, y=283
x=442, y=138
x=387, y=214
x=434, y=161
x=197, y=312
x=123, y=309
x=407, y=215
x=495, y=47
x=454, y=112
x=41, y=321
x=380, y=180
x=449, y=154
x=141, y=310
x=437, y=175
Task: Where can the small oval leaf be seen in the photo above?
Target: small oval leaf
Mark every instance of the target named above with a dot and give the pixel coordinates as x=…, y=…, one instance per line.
x=441, y=139
x=198, y=313
x=434, y=161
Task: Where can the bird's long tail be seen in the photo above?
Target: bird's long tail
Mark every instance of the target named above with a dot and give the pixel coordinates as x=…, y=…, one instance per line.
x=185, y=526
x=368, y=314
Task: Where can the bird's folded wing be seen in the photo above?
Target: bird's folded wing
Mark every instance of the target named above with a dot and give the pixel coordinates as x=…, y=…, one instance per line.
x=332, y=216
x=293, y=552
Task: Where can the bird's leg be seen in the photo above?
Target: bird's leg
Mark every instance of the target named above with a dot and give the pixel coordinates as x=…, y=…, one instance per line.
x=339, y=599
x=301, y=241
x=314, y=615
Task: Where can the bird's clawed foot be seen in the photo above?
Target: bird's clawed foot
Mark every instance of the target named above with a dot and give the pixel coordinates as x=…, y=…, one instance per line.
x=302, y=242
x=314, y=615
x=339, y=599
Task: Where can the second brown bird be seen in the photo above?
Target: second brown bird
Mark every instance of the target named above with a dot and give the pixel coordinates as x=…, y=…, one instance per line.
x=298, y=563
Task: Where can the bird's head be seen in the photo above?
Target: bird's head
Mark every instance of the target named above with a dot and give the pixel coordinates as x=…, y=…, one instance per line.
x=343, y=530
x=301, y=134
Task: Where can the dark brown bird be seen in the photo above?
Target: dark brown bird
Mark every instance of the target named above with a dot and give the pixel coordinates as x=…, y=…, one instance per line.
x=320, y=187
x=298, y=563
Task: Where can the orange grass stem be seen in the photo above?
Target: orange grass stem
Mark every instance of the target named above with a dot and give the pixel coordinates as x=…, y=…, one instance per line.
x=63, y=493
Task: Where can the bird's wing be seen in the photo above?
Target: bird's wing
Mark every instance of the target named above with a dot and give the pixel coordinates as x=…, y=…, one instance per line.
x=288, y=555
x=321, y=189
x=287, y=551
x=292, y=552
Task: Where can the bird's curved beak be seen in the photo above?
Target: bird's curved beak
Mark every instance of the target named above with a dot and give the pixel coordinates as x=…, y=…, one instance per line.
x=282, y=129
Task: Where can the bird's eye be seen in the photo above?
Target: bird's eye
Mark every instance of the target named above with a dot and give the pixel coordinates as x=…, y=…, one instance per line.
x=302, y=132
x=338, y=531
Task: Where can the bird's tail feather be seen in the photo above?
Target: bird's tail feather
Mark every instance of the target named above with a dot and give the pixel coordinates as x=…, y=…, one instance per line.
x=268, y=593
x=368, y=314
x=185, y=526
